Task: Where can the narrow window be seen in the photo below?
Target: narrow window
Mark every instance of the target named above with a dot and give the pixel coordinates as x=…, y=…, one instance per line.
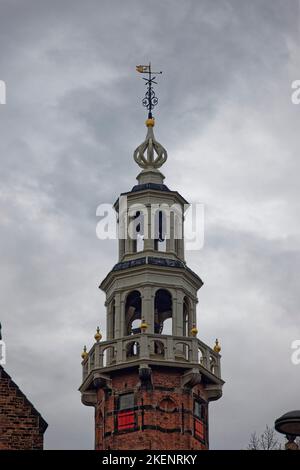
x=125, y=413
x=160, y=231
x=200, y=421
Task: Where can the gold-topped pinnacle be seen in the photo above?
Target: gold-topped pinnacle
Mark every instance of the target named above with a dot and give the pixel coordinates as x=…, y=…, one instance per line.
x=150, y=122
x=194, y=330
x=143, y=326
x=84, y=353
x=217, y=347
x=98, y=335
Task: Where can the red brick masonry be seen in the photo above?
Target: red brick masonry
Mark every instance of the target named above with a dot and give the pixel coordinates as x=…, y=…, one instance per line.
x=162, y=417
x=21, y=425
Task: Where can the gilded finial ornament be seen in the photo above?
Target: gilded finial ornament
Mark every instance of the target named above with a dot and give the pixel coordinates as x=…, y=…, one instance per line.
x=194, y=330
x=150, y=154
x=98, y=335
x=143, y=326
x=217, y=347
x=84, y=353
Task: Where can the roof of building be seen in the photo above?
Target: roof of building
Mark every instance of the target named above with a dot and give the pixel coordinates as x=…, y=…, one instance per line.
x=156, y=261
x=42, y=423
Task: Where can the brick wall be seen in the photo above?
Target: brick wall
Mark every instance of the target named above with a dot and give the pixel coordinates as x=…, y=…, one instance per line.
x=21, y=426
x=164, y=417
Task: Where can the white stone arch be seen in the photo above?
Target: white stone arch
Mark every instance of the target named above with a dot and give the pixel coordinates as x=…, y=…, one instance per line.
x=108, y=355
x=201, y=356
x=158, y=347
x=132, y=349
x=213, y=365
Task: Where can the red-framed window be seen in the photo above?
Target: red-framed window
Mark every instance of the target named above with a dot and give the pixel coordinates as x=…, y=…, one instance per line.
x=126, y=420
x=125, y=417
x=199, y=429
x=200, y=420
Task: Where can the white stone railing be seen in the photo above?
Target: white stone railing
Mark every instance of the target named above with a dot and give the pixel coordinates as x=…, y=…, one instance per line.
x=144, y=346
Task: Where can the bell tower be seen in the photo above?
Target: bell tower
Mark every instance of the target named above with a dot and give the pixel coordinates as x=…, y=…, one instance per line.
x=152, y=379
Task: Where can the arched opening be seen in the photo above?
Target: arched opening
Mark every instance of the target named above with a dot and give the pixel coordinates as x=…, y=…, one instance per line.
x=136, y=231
x=132, y=349
x=159, y=348
x=108, y=356
x=167, y=326
x=160, y=242
x=187, y=320
x=162, y=311
x=213, y=365
x=133, y=312
x=201, y=357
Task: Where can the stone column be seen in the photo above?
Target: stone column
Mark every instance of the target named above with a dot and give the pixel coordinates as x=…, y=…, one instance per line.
x=121, y=248
x=108, y=323
x=122, y=316
x=170, y=245
x=192, y=316
x=148, y=240
x=177, y=313
x=118, y=313
x=181, y=242
x=148, y=308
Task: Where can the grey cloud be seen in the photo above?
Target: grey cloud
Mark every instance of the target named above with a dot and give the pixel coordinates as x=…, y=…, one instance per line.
x=72, y=120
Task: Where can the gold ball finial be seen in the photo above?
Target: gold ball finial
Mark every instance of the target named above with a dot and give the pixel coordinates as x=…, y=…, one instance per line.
x=84, y=353
x=194, y=330
x=150, y=122
x=217, y=347
x=143, y=326
x=98, y=335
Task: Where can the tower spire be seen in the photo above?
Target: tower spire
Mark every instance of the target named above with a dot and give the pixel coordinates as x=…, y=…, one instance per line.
x=150, y=154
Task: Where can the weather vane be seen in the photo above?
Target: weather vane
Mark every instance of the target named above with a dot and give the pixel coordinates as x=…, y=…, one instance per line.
x=150, y=100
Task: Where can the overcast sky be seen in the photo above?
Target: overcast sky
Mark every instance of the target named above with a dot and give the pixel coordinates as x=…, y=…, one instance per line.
x=72, y=120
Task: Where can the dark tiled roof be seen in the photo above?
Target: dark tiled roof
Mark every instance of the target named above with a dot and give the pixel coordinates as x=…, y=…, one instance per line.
x=153, y=260
x=155, y=186
x=151, y=186
x=42, y=423
x=129, y=264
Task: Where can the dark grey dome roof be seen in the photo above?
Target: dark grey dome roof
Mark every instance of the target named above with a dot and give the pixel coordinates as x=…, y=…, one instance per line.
x=289, y=423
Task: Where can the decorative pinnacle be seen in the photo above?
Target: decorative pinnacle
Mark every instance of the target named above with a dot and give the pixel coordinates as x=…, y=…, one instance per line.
x=217, y=347
x=143, y=326
x=144, y=154
x=98, y=335
x=194, y=331
x=84, y=353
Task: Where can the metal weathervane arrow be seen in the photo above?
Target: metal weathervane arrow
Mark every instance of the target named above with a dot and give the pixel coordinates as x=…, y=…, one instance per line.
x=150, y=100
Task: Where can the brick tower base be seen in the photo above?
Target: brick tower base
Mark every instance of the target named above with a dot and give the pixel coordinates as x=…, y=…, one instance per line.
x=161, y=408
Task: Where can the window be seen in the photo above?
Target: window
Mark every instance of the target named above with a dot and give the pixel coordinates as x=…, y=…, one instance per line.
x=126, y=401
x=138, y=232
x=125, y=414
x=160, y=231
x=200, y=420
x=199, y=430
x=199, y=409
